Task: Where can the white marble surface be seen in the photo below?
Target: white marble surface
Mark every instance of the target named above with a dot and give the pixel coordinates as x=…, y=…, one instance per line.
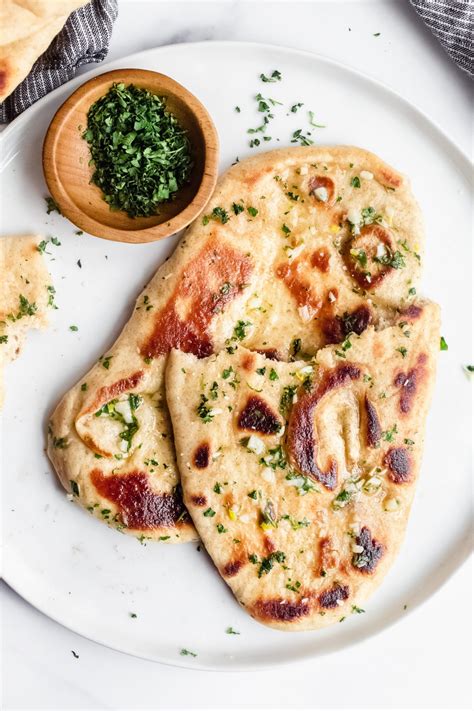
x=424, y=661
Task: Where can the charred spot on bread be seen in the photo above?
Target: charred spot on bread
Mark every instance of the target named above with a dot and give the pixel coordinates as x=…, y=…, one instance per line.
x=412, y=312
x=232, y=567
x=331, y=597
x=374, y=430
x=281, y=610
x=258, y=416
x=199, y=292
x=367, y=559
x=398, y=461
x=322, y=183
x=409, y=382
x=139, y=506
x=270, y=353
x=328, y=556
x=199, y=500
x=302, y=444
x=320, y=260
x=201, y=456
x=368, y=242
x=109, y=392
x=248, y=361
x=337, y=328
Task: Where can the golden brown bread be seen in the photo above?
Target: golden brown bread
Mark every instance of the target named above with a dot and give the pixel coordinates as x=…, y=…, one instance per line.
x=298, y=248
x=27, y=28
x=299, y=476
x=26, y=292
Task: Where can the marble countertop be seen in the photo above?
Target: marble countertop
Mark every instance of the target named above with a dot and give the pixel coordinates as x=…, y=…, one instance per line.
x=424, y=661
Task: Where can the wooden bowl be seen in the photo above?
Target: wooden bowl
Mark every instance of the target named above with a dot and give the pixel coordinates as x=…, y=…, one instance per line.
x=67, y=171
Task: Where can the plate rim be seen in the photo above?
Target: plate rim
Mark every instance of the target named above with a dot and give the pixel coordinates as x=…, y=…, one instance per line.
x=466, y=166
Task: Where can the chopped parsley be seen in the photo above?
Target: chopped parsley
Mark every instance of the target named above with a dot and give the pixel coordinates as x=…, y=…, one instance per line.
x=140, y=153
x=357, y=610
x=3, y=339
x=237, y=208
x=443, y=346
x=273, y=374
x=402, y=350
x=230, y=630
x=74, y=487
x=266, y=564
x=388, y=434
x=395, y=259
x=303, y=139
x=209, y=513
x=285, y=229
x=73, y=328
x=274, y=76
x=187, y=653
x=355, y=182
x=252, y=211
x=51, y=294
x=287, y=398
x=220, y=528
x=204, y=412
x=239, y=330
x=106, y=362
x=51, y=205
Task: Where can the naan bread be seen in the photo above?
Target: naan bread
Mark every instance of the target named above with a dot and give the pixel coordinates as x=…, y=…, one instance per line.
x=299, y=476
x=27, y=28
x=282, y=262
x=25, y=293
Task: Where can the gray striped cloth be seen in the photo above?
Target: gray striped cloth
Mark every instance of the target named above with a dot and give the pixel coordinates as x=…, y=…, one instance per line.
x=84, y=38
x=451, y=22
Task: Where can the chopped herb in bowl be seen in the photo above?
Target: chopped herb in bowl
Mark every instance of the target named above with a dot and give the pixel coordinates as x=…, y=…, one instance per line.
x=140, y=154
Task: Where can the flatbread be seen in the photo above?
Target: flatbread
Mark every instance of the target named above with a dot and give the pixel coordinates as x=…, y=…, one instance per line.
x=299, y=476
x=268, y=266
x=25, y=292
x=27, y=28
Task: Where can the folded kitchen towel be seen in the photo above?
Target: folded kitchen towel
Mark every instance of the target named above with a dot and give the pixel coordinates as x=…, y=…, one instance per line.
x=452, y=23
x=84, y=38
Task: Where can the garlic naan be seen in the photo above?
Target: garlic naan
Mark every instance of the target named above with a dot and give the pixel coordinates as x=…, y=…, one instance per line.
x=299, y=476
x=298, y=248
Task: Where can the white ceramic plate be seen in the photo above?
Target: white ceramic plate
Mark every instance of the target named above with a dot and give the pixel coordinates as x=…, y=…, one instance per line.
x=91, y=578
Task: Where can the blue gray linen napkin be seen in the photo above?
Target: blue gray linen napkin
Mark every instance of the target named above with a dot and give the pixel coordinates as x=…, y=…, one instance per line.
x=84, y=38
x=452, y=23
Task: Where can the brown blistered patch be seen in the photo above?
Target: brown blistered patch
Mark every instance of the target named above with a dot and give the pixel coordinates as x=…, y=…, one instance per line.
x=373, y=273
x=109, y=392
x=330, y=598
x=337, y=328
x=302, y=444
x=320, y=260
x=248, y=361
x=270, y=353
x=389, y=177
x=367, y=560
x=269, y=544
x=4, y=73
x=412, y=312
x=322, y=181
x=280, y=610
x=373, y=429
x=408, y=383
x=201, y=456
x=298, y=286
x=199, y=500
x=232, y=568
x=198, y=297
x=258, y=416
x=328, y=556
x=398, y=461
x=140, y=507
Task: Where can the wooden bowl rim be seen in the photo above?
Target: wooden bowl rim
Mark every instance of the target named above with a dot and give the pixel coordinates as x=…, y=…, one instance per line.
x=147, y=234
